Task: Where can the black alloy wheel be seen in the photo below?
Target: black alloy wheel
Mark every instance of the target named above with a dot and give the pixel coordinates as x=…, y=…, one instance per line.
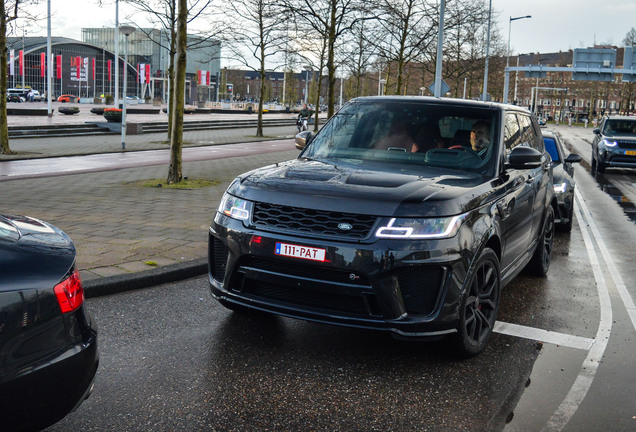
x=479, y=306
x=540, y=262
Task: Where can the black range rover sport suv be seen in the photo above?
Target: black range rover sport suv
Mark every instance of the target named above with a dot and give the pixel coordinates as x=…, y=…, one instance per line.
x=403, y=214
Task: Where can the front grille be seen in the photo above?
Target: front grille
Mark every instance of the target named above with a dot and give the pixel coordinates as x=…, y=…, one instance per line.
x=296, y=219
x=218, y=258
x=627, y=144
x=420, y=287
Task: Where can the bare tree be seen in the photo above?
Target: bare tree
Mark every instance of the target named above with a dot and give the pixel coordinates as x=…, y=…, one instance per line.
x=409, y=28
x=257, y=33
x=175, y=174
x=9, y=11
x=163, y=14
x=331, y=19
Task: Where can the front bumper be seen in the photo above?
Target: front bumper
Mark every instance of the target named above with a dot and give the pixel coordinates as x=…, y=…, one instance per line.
x=408, y=288
x=617, y=157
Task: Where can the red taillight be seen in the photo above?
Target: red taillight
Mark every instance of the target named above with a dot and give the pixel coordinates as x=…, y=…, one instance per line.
x=69, y=293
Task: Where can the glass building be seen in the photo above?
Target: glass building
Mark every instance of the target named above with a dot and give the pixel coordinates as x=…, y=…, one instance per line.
x=86, y=68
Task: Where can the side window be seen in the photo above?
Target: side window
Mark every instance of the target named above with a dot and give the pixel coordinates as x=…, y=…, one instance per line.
x=529, y=135
x=512, y=135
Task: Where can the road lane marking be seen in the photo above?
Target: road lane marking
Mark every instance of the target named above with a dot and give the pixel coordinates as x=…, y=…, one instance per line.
x=583, y=381
x=541, y=335
x=628, y=302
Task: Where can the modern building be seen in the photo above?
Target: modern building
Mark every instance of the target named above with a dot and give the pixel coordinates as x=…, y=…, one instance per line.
x=86, y=68
x=150, y=46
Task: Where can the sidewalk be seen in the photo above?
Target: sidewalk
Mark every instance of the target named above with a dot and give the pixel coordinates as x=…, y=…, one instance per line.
x=129, y=236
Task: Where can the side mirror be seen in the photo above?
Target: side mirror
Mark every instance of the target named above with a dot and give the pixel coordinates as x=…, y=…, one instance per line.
x=597, y=131
x=522, y=157
x=302, y=139
x=573, y=158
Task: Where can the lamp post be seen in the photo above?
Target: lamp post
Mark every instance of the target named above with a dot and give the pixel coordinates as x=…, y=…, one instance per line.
x=127, y=30
x=505, y=98
x=485, y=92
x=307, y=69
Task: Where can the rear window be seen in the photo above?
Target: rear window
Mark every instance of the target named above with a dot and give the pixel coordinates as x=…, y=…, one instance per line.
x=550, y=146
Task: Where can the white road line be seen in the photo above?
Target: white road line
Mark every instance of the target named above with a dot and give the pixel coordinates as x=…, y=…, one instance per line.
x=584, y=380
x=541, y=335
x=618, y=280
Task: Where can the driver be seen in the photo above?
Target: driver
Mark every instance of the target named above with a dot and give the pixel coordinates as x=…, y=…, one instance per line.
x=480, y=137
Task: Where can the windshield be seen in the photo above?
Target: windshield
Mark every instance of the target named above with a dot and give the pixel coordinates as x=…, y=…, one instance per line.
x=619, y=127
x=418, y=133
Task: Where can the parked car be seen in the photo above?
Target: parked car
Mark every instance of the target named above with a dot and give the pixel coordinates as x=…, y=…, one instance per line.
x=563, y=179
x=614, y=143
x=67, y=98
x=37, y=97
x=403, y=214
x=14, y=97
x=48, y=342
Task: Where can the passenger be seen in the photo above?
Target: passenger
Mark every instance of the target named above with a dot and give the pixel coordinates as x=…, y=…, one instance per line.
x=428, y=138
x=398, y=138
x=480, y=137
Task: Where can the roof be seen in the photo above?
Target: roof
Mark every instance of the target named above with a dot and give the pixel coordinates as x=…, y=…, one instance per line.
x=444, y=101
x=32, y=43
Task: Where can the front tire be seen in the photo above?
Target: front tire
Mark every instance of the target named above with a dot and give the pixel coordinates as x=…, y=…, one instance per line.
x=479, y=307
x=540, y=262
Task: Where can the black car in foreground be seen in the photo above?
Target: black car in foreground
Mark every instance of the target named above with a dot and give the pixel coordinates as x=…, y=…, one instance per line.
x=403, y=214
x=48, y=344
x=614, y=144
x=563, y=179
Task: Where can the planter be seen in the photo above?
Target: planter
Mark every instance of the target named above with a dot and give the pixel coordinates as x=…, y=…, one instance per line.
x=112, y=115
x=68, y=110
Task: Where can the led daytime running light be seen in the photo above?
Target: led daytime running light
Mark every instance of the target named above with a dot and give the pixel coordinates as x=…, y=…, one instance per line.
x=451, y=226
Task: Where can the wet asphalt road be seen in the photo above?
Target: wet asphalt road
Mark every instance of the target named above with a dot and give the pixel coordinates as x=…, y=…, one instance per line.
x=174, y=359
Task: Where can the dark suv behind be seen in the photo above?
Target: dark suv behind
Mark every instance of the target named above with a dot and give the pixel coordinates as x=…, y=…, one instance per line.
x=614, y=144
x=403, y=214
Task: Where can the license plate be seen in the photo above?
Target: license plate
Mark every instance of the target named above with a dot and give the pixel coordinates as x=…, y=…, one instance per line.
x=630, y=152
x=296, y=251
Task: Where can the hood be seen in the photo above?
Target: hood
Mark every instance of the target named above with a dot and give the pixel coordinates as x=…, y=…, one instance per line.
x=33, y=254
x=365, y=188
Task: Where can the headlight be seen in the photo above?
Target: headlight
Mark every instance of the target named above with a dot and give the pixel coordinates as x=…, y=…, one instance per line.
x=609, y=143
x=234, y=207
x=429, y=228
x=560, y=187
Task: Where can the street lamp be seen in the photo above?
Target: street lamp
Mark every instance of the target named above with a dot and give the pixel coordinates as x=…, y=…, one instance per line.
x=127, y=30
x=307, y=69
x=508, y=57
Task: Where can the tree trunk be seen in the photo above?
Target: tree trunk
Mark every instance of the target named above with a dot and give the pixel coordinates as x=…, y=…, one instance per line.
x=4, y=129
x=331, y=68
x=171, y=75
x=176, y=140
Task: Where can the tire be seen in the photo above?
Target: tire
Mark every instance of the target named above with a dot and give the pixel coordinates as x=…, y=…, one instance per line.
x=567, y=226
x=540, y=262
x=479, y=307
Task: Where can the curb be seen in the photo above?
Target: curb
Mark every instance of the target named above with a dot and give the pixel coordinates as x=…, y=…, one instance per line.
x=121, y=283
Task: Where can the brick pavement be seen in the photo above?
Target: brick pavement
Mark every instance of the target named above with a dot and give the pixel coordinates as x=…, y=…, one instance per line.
x=122, y=229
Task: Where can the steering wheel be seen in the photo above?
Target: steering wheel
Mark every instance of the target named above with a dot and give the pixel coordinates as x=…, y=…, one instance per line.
x=466, y=149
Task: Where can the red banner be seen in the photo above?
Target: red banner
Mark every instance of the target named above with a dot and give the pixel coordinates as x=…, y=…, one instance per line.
x=110, y=65
x=42, y=64
x=93, y=61
x=207, y=78
x=59, y=67
x=21, y=62
x=78, y=67
x=147, y=72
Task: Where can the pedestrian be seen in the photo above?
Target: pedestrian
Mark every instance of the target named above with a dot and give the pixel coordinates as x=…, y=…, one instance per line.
x=585, y=121
x=570, y=121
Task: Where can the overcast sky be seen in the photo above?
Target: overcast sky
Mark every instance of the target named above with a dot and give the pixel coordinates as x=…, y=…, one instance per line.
x=556, y=25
